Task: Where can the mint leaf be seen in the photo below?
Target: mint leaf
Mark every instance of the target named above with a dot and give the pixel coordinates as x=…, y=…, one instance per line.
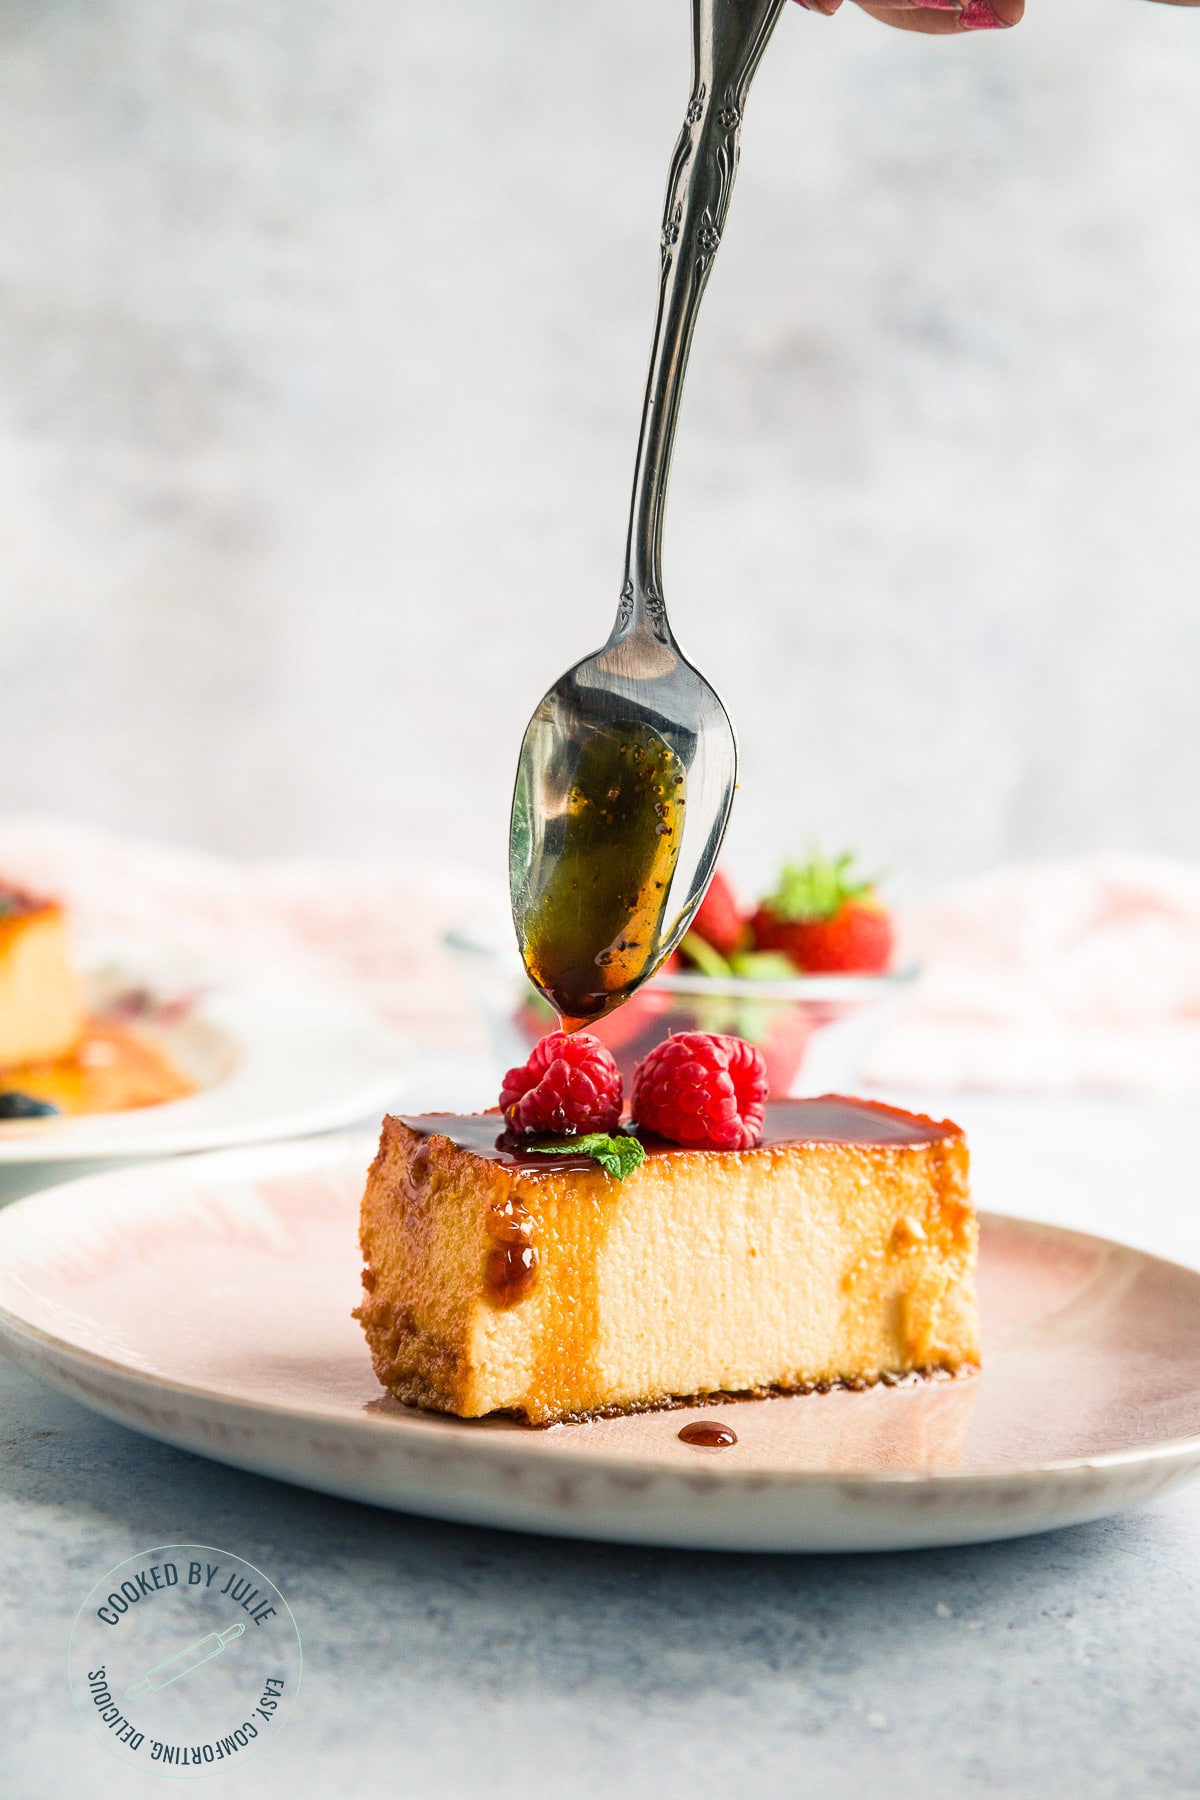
x=618, y=1156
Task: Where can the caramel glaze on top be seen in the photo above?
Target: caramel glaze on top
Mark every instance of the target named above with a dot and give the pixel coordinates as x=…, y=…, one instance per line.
x=832, y=1119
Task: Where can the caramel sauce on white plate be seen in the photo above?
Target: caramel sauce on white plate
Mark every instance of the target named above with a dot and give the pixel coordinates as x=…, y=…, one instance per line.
x=113, y=1069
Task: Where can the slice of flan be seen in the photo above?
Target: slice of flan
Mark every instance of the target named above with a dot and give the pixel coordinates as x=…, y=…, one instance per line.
x=842, y=1251
x=41, y=999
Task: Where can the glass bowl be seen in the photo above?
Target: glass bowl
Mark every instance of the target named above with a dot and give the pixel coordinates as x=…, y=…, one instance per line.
x=814, y=1030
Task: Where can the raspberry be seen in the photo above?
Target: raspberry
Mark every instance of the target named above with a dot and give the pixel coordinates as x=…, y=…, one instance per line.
x=570, y=1084
x=702, y=1090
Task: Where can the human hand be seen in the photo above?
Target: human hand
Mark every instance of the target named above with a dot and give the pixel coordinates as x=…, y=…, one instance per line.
x=939, y=16
x=945, y=16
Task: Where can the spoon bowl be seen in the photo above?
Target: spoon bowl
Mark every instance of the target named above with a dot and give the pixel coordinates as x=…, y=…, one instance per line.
x=624, y=788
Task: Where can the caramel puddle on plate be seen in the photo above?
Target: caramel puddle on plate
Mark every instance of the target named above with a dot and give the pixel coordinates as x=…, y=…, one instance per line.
x=114, y=1069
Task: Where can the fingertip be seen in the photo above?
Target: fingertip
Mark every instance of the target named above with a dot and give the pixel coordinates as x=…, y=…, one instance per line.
x=991, y=15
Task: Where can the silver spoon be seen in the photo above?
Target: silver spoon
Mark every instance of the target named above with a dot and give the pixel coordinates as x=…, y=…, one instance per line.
x=628, y=766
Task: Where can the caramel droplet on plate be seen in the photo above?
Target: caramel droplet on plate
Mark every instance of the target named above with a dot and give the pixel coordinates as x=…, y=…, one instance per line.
x=709, y=1437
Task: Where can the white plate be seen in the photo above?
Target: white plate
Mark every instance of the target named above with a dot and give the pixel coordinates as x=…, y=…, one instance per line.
x=269, y=1061
x=208, y=1303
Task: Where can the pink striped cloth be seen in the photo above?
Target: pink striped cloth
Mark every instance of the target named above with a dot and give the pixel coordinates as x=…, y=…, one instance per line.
x=1052, y=977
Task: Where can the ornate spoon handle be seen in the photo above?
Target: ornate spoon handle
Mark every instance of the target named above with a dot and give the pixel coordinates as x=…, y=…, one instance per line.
x=728, y=40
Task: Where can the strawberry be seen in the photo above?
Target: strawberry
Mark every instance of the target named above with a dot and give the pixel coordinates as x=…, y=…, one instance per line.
x=827, y=922
x=719, y=919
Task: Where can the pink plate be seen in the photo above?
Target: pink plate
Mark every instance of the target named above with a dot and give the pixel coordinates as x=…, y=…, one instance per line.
x=207, y=1302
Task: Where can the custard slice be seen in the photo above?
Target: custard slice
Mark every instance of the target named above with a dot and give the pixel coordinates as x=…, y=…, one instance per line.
x=840, y=1252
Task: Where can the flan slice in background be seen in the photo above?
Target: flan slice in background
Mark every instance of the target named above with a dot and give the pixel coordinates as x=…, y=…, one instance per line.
x=842, y=1251
x=41, y=998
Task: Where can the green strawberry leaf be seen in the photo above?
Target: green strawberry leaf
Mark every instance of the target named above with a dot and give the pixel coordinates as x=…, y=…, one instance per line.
x=817, y=889
x=618, y=1156
x=762, y=965
x=709, y=961
x=743, y=965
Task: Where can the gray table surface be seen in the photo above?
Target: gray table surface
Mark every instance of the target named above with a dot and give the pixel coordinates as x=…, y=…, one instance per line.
x=444, y=1660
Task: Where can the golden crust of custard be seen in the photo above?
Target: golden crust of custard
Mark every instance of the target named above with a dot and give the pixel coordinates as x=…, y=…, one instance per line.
x=705, y=1272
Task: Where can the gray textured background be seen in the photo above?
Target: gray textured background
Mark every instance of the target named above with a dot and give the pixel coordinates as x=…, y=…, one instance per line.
x=322, y=333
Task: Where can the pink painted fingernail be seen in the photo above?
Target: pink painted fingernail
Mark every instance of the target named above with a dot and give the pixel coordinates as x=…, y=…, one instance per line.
x=977, y=15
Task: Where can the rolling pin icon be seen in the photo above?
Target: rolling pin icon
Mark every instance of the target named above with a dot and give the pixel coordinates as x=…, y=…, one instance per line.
x=184, y=1661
